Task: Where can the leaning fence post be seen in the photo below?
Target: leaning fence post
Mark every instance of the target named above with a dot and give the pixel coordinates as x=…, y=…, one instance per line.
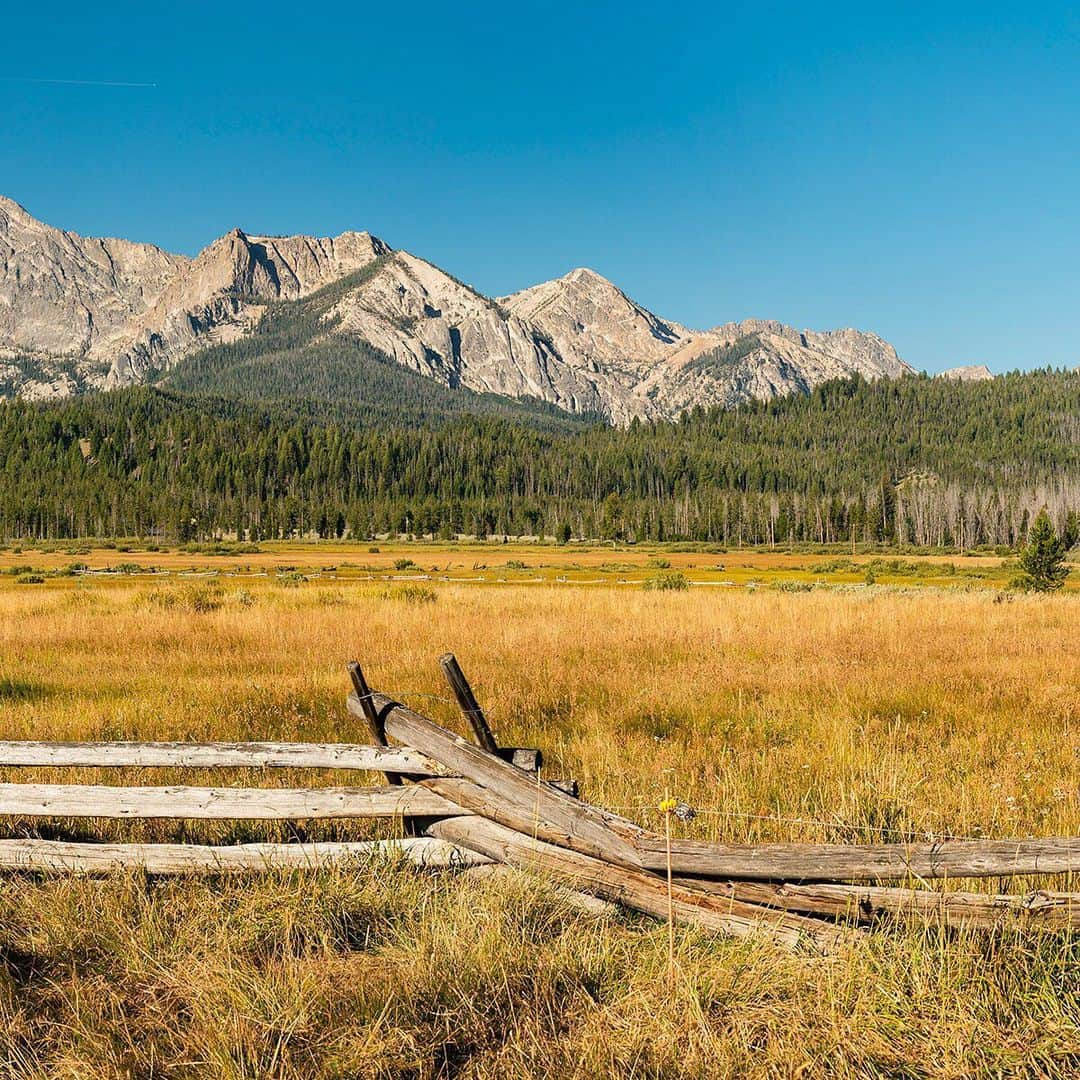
x=469, y=705
x=524, y=758
x=375, y=725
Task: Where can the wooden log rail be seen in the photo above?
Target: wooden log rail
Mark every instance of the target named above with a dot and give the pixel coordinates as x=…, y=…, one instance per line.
x=500, y=791
x=490, y=788
x=178, y=755
x=634, y=888
x=216, y=804
x=866, y=862
x=869, y=904
x=61, y=857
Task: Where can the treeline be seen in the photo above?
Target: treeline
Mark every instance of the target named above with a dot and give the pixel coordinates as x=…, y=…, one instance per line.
x=911, y=461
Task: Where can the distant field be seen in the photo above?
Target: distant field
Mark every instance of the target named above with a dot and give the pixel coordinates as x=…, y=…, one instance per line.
x=518, y=563
x=866, y=713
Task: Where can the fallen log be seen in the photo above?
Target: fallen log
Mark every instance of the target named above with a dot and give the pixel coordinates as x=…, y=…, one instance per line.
x=59, y=857
x=855, y=862
x=506, y=795
x=179, y=755
x=502, y=792
x=867, y=904
x=632, y=888
x=78, y=800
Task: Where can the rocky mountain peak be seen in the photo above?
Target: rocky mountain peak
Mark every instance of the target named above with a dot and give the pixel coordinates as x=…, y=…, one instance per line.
x=589, y=318
x=64, y=295
x=10, y=209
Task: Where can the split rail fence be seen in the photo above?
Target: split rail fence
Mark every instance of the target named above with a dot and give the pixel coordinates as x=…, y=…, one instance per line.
x=482, y=808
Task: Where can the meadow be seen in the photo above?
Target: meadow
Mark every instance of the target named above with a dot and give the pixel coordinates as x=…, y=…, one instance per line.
x=808, y=706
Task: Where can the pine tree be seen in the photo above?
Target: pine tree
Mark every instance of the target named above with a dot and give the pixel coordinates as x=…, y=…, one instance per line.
x=1043, y=559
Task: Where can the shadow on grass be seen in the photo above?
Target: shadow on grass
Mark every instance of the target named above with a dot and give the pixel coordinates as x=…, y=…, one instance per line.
x=22, y=690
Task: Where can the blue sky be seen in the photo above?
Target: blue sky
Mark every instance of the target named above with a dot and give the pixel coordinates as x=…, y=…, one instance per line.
x=914, y=170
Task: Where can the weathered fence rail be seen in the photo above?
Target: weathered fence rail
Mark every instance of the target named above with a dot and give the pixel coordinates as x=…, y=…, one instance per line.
x=63, y=857
x=485, y=807
x=221, y=803
x=175, y=755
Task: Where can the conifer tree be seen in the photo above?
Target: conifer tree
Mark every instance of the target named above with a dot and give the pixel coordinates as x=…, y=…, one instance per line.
x=1043, y=559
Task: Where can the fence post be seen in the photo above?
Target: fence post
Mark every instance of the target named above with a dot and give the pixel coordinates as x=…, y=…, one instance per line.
x=469, y=705
x=528, y=759
x=375, y=725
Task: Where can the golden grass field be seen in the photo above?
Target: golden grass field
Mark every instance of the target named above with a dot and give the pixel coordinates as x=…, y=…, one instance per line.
x=841, y=713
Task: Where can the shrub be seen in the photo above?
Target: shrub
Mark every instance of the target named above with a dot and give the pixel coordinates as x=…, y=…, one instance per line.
x=793, y=586
x=202, y=598
x=833, y=566
x=30, y=579
x=199, y=599
x=672, y=581
x=404, y=564
x=660, y=564
x=224, y=547
x=413, y=594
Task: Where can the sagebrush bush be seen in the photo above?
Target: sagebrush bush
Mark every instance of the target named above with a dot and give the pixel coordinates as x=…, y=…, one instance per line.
x=670, y=581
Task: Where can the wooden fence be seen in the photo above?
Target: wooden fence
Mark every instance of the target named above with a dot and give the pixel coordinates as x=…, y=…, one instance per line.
x=479, y=807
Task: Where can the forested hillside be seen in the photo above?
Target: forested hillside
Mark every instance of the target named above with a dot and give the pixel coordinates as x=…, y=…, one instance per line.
x=911, y=461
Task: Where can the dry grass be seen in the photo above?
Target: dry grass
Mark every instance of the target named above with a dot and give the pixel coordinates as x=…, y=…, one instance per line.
x=876, y=713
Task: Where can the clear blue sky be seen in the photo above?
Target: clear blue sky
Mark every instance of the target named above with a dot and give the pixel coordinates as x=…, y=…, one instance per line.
x=911, y=170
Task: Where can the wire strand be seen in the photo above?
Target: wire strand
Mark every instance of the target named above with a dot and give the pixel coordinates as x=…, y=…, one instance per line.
x=780, y=819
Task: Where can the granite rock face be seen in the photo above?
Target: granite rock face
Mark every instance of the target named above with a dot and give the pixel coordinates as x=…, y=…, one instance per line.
x=66, y=301
x=967, y=373
x=222, y=293
x=82, y=314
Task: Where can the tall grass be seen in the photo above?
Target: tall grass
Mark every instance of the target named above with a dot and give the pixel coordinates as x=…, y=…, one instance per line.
x=805, y=716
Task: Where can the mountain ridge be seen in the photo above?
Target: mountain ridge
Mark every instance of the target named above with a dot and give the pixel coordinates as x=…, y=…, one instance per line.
x=81, y=314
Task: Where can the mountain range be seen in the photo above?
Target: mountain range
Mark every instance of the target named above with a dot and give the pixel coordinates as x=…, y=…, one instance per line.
x=79, y=314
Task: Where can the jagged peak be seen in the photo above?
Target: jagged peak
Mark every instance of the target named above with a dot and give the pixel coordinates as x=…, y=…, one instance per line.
x=580, y=276
x=34, y=227
x=10, y=206
x=237, y=236
x=587, y=273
